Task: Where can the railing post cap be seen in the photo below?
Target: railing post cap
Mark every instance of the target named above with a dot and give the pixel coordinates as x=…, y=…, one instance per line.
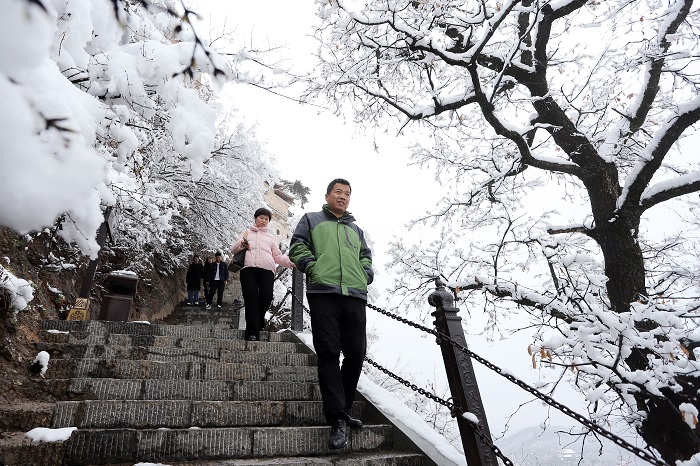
x=440, y=297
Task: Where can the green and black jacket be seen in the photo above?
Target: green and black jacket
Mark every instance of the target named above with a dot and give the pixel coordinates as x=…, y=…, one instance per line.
x=333, y=254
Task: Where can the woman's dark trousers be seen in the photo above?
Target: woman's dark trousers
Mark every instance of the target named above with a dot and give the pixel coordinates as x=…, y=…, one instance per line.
x=256, y=285
x=338, y=324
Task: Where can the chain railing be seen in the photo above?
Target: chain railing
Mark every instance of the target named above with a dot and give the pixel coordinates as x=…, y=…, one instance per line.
x=440, y=337
x=454, y=409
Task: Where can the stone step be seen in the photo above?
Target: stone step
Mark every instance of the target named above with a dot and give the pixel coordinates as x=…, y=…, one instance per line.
x=195, y=320
x=200, y=311
x=187, y=370
x=251, y=355
x=150, y=414
x=388, y=458
x=137, y=328
x=16, y=449
x=91, y=447
x=180, y=316
x=116, y=339
x=24, y=416
x=184, y=308
x=210, y=390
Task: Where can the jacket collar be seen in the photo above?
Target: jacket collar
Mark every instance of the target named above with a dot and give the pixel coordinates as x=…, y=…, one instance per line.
x=347, y=216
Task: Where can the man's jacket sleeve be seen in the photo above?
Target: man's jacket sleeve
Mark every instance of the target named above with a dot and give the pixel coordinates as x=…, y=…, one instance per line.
x=300, y=249
x=366, y=260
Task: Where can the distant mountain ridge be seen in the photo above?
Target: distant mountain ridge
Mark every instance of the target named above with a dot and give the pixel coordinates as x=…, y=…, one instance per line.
x=556, y=447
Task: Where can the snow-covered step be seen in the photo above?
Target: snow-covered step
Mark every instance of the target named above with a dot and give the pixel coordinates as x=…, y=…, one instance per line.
x=146, y=389
x=154, y=353
x=89, y=447
x=141, y=369
x=149, y=414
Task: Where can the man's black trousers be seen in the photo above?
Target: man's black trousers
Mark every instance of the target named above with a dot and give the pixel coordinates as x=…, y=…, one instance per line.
x=256, y=286
x=338, y=324
x=216, y=286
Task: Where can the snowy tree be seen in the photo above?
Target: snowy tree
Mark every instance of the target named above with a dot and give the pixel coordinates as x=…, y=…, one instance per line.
x=561, y=132
x=110, y=103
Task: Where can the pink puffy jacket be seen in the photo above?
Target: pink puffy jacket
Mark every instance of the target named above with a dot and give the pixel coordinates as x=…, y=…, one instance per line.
x=263, y=251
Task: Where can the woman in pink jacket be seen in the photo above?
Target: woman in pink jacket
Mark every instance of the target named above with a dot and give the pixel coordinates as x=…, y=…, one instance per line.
x=258, y=272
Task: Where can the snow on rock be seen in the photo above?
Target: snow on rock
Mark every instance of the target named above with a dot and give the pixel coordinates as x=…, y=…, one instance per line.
x=19, y=291
x=44, y=434
x=43, y=360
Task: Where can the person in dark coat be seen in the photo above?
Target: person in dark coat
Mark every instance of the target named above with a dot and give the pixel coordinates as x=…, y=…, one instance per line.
x=195, y=273
x=208, y=264
x=217, y=276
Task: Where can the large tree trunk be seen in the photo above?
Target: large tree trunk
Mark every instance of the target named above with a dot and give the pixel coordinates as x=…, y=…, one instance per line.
x=664, y=428
x=624, y=263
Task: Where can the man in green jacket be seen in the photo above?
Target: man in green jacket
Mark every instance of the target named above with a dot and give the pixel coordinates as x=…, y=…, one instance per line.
x=331, y=250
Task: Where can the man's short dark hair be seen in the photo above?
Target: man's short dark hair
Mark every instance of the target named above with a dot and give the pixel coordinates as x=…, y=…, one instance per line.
x=338, y=181
x=263, y=211
x=218, y=254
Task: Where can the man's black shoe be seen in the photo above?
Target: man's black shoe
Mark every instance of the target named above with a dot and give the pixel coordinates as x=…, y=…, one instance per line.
x=251, y=338
x=339, y=435
x=352, y=422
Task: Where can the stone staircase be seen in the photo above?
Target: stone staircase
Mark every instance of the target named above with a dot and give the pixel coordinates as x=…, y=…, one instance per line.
x=191, y=391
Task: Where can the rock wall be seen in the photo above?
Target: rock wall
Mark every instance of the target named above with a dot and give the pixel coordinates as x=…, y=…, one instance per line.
x=57, y=271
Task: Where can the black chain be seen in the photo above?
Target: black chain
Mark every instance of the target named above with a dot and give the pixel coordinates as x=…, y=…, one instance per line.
x=290, y=291
x=454, y=410
x=550, y=401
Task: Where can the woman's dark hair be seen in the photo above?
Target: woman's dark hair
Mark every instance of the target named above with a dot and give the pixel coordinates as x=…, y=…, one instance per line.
x=338, y=181
x=263, y=211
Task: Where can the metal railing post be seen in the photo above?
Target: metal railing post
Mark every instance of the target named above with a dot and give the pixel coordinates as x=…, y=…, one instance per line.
x=297, y=308
x=461, y=378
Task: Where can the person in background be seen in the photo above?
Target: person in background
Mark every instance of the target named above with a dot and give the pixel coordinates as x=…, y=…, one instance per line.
x=331, y=250
x=208, y=264
x=218, y=279
x=258, y=272
x=195, y=273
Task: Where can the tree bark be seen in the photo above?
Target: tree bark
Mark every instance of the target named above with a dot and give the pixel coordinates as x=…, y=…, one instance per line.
x=663, y=428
